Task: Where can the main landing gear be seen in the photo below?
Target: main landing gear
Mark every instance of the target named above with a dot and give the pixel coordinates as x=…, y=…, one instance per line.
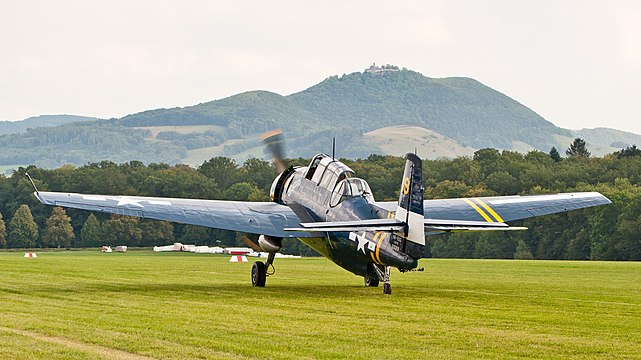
x=260, y=271
x=382, y=273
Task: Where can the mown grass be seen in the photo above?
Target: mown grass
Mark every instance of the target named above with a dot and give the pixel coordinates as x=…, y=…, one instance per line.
x=172, y=306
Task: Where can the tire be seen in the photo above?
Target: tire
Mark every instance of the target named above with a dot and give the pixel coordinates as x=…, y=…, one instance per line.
x=370, y=281
x=387, y=288
x=259, y=275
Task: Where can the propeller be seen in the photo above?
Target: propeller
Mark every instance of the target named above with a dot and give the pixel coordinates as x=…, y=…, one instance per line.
x=273, y=141
x=250, y=243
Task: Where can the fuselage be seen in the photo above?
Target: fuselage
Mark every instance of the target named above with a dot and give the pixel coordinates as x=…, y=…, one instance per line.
x=327, y=191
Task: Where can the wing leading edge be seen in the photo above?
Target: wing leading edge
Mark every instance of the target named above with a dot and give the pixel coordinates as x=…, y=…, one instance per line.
x=266, y=218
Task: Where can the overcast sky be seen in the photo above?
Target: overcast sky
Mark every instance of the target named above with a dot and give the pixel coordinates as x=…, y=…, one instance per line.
x=576, y=63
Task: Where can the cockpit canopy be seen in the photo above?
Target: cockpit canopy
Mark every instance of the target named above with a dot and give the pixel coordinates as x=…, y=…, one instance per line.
x=326, y=172
x=350, y=187
x=336, y=177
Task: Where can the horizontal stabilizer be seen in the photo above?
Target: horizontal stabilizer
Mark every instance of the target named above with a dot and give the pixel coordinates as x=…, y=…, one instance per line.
x=469, y=228
x=445, y=222
x=463, y=225
x=396, y=225
x=345, y=226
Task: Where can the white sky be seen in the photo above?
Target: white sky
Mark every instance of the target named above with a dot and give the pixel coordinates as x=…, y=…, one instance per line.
x=576, y=63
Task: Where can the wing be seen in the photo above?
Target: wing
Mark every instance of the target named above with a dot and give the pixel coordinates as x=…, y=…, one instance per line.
x=505, y=208
x=265, y=218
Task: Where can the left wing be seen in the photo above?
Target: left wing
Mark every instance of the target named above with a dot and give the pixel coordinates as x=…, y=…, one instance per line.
x=266, y=218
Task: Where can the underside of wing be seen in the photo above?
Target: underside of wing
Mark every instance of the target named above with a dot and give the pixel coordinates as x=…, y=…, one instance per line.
x=266, y=218
x=506, y=208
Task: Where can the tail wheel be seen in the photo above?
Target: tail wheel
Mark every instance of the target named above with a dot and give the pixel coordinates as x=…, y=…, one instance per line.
x=371, y=282
x=387, y=288
x=259, y=274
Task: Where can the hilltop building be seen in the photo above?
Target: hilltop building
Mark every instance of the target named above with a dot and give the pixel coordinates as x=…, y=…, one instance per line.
x=381, y=69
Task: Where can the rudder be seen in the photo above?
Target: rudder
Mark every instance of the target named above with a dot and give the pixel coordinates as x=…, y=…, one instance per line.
x=410, y=200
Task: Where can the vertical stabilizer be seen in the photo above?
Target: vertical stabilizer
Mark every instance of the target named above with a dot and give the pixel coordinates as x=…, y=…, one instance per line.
x=410, y=200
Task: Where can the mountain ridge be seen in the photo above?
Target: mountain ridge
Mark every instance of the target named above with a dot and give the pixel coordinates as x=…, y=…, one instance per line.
x=12, y=127
x=456, y=110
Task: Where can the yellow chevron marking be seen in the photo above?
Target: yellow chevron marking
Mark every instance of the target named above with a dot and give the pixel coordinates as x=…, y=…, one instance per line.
x=478, y=209
x=381, y=236
x=489, y=209
x=371, y=253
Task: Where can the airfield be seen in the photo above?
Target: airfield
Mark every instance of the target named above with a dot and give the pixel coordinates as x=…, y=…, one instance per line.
x=140, y=304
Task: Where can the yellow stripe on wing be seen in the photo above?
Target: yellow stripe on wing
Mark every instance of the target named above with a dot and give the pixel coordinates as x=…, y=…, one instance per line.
x=489, y=209
x=478, y=210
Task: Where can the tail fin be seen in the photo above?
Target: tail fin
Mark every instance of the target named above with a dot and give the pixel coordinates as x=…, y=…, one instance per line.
x=410, y=200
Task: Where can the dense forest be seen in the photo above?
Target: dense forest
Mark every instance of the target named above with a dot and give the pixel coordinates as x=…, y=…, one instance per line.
x=611, y=232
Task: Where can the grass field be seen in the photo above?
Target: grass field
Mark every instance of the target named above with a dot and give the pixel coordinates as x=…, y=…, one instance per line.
x=172, y=306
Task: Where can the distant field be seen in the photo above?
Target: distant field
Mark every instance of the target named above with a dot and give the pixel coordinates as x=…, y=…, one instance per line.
x=399, y=140
x=596, y=150
x=172, y=306
x=522, y=147
x=196, y=157
x=180, y=129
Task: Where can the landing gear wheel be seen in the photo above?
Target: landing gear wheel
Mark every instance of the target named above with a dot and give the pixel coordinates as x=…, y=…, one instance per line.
x=259, y=274
x=371, y=282
x=387, y=288
x=383, y=275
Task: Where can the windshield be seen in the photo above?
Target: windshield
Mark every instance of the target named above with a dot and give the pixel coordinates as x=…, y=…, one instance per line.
x=350, y=187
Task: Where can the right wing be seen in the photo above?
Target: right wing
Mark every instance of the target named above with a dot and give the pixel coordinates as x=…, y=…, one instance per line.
x=266, y=218
x=505, y=208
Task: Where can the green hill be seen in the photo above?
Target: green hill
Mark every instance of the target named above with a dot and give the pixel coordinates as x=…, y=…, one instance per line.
x=455, y=116
x=79, y=143
x=460, y=108
x=10, y=127
x=609, y=137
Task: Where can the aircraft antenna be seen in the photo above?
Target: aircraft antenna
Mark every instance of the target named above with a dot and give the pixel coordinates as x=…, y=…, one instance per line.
x=333, y=147
x=32, y=183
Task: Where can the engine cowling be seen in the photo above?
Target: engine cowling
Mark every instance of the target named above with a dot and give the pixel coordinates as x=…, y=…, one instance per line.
x=270, y=244
x=278, y=186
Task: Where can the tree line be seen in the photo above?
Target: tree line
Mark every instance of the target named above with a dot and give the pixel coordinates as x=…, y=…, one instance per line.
x=611, y=232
